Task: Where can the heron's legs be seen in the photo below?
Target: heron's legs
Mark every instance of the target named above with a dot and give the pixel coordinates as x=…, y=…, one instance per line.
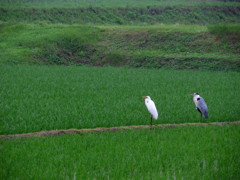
x=151, y=122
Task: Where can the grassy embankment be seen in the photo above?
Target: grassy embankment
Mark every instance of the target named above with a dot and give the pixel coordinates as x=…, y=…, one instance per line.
x=178, y=153
x=161, y=46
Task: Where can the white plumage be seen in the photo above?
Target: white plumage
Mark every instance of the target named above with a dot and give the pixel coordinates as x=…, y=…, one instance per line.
x=151, y=107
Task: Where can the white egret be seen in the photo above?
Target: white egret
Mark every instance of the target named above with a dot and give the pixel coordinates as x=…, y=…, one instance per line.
x=200, y=104
x=151, y=107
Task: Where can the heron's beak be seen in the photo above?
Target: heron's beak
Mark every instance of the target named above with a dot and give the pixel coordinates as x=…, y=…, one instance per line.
x=144, y=97
x=191, y=94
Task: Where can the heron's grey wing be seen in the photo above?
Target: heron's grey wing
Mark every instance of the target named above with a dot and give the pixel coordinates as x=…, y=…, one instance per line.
x=202, y=106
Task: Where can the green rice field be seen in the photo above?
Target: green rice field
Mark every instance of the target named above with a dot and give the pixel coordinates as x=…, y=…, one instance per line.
x=177, y=153
x=36, y=98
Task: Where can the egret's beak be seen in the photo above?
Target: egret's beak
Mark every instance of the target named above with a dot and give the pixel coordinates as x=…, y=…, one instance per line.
x=144, y=97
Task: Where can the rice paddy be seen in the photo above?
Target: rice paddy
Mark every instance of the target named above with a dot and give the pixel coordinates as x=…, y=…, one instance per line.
x=36, y=98
x=176, y=153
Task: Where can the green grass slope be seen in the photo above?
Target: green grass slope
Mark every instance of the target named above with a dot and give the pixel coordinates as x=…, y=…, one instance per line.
x=162, y=46
x=177, y=153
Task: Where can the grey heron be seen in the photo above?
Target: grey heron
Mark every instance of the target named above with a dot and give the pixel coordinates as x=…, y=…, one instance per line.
x=200, y=104
x=151, y=108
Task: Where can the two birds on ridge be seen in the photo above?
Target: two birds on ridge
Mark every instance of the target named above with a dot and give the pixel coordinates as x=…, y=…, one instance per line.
x=199, y=102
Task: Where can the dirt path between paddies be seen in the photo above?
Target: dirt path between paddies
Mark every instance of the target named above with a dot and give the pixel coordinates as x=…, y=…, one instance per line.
x=81, y=131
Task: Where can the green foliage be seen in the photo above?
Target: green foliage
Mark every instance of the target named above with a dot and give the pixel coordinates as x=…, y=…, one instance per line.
x=175, y=153
x=35, y=98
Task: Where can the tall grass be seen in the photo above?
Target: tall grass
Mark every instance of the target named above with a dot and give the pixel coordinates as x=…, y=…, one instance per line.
x=35, y=98
x=179, y=153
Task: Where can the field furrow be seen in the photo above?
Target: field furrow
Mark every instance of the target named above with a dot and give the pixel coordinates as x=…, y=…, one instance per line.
x=80, y=131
